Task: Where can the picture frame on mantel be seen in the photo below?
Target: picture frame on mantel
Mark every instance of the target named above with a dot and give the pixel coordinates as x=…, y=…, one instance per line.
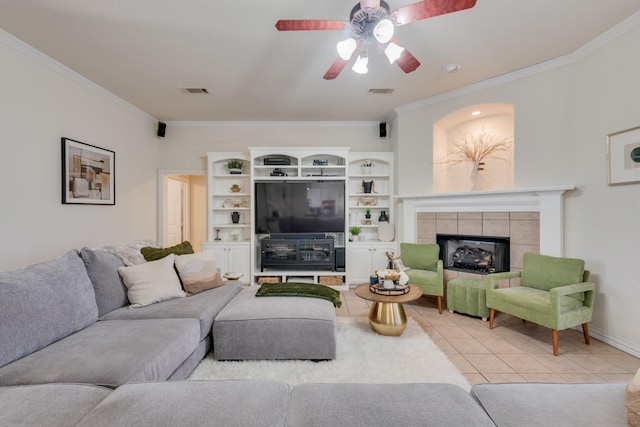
x=623, y=156
x=88, y=174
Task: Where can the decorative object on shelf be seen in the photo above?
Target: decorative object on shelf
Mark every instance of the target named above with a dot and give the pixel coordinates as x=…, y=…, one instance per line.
x=235, y=217
x=366, y=166
x=367, y=201
x=367, y=216
x=354, y=231
x=235, y=203
x=235, y=234
x=474, y=148
x=235, y=188
x=623, y=156
x=217, y=234
x=476, y=178
x=368, y=186
x=386, y=232
x=383, y=217
x=320, y=162
x=235, y=166
x=278, y=172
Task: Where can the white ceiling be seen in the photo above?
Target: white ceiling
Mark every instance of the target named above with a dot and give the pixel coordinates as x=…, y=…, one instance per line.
x=144, y=50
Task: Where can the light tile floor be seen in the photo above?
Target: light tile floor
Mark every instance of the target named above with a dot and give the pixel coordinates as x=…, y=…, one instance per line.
x=513, y=351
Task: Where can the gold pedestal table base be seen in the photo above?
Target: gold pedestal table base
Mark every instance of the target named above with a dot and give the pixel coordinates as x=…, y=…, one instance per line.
x=387, y=316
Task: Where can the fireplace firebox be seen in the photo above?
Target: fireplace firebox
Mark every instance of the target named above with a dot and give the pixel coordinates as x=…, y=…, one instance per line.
x=474, y=254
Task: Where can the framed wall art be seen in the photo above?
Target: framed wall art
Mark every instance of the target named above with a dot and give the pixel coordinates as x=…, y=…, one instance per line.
x=623, y=156
x=87, y=174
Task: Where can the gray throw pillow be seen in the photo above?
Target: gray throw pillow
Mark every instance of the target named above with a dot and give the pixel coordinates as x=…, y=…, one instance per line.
x=110, y=290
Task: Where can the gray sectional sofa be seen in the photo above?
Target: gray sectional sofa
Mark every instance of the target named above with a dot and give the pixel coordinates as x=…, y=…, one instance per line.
x=68, y=320
x=73, y=353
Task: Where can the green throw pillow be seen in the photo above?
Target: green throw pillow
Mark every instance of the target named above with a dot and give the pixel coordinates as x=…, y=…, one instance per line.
x=153, y=254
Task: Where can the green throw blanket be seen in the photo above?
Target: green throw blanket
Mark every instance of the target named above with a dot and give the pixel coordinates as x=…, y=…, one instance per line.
x=292, y=289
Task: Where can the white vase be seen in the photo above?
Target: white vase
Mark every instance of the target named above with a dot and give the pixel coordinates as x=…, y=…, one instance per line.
x=366, y=170
x=476, y=178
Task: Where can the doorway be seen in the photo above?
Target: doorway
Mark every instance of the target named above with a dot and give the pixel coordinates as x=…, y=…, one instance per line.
x=182, y=208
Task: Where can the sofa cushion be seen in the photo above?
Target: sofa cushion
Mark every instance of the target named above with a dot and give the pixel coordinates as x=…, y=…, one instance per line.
x=129, y=253
x=102, y=267
x=420, y=256
x=632, y=400
x=194, y=403
x=43, y=303
x=48, y=405
x=547, y=272
x=110, y=353
x=153, y=254
x=383, y=405
x=204, y=306
x=548, y=404
x=198, y=272
x=151, y=282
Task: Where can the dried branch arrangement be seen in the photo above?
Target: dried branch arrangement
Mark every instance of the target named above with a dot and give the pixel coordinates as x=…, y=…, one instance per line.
x=475, y=148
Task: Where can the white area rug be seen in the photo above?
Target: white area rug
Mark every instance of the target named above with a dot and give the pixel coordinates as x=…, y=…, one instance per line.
x=363, y=356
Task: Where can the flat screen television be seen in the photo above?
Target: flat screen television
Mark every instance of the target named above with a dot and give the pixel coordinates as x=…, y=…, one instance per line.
x=300, y=207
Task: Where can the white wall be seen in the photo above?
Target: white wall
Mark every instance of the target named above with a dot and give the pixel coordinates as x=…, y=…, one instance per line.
x=186, y=144
x=38, y=106
x=562, y=118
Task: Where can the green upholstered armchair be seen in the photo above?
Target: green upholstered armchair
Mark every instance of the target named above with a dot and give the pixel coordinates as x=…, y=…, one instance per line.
x=553, y=292
x=424, y=268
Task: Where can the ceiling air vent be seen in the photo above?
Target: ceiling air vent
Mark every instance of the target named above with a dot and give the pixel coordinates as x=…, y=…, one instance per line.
x=381, y=91
x=193, y=90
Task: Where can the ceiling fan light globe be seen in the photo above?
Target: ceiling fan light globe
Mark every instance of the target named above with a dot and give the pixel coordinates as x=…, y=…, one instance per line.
x=346, y=48
x=383, y=31
x=361, y=65
x=393, y=52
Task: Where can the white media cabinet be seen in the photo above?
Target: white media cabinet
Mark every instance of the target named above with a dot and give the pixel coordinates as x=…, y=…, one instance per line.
x=238, y=246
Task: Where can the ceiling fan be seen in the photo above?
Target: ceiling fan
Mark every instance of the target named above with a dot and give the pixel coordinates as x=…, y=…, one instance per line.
x=372, y=21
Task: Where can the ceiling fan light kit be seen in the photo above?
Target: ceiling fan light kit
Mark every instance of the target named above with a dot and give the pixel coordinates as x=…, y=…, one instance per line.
x=372, y=21
x=361, y=66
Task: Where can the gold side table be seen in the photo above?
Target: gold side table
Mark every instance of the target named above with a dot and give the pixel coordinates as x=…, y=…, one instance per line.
x=387, y=316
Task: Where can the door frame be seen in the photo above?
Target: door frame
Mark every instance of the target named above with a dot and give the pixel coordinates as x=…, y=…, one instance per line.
x=162, y=199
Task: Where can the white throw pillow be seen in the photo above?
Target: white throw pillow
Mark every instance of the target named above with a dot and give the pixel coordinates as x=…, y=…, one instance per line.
x=151, y=282
x=198, y=272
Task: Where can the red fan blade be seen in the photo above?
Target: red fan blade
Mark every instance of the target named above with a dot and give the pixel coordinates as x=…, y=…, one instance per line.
x=428, y=8
x=407, y=62
x=309, y=24
x=335, y=69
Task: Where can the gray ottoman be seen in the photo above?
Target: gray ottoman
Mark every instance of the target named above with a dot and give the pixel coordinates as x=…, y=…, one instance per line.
x=267, y=328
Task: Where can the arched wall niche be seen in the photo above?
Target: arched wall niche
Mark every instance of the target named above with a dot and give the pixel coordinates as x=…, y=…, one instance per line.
x=497, y=119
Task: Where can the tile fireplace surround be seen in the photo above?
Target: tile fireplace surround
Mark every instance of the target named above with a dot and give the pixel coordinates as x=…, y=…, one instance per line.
x=514, y=213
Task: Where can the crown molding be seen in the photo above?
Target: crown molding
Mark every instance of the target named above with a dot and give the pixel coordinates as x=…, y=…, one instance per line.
x=273, y=124
x=605, y=38
x=34, y=54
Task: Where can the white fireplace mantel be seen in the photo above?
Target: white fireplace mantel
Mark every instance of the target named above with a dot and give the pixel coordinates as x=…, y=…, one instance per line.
x=548, y=201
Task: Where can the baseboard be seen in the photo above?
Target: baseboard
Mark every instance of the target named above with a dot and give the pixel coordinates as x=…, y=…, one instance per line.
x=614, y=341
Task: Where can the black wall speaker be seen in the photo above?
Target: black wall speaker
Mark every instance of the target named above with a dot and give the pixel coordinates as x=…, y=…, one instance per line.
x=162, y=129
x=383, y=129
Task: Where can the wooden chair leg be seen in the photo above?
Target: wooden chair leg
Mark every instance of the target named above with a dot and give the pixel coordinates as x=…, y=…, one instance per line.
x=554, y=338
x=439, y=304
x=492, y=314
x=585, y=331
